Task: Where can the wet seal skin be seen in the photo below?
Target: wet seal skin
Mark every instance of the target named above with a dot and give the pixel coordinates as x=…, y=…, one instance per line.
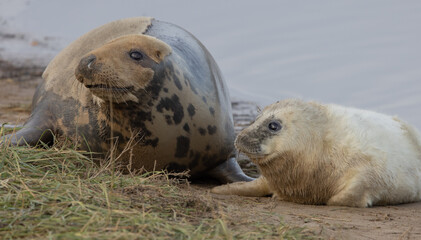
x=314, y=153
x=142, y=79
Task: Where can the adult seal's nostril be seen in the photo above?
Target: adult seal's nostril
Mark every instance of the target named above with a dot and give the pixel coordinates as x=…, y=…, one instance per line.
x=87, y=62
x=90, y=59
x=85, y=67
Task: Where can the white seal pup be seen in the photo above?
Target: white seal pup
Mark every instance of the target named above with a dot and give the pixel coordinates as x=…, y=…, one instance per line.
x=315, y=153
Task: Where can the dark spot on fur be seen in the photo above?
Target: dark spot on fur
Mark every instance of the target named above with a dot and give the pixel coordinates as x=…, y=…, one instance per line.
x=172, y=104
x=191, y=110
x=191, y=85
x=155, y=85
x=140, y=113
x=202, y=131
x=183, y=146
x=185, y=82
x=118, y=137
x=165, y=89
x=168, y=119
x=177, y=82
x=170, y=68
x=145, y=116
x=209, y=160
x=152, y=142
x=212, y=111
x=139, y=119
x=204, y=99
x=195, y=161
x=211, y=129
x=197, y=156
x=186, y=128
x=193, y=164
x=176, y=167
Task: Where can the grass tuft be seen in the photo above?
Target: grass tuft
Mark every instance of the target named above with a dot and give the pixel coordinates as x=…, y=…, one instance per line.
x=60, y=193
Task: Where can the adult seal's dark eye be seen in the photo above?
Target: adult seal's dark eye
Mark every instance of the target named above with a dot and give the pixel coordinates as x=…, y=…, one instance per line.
x=136, y=55
x=274, y=126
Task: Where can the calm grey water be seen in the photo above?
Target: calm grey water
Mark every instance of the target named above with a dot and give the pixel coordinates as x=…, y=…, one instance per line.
x=364, y=54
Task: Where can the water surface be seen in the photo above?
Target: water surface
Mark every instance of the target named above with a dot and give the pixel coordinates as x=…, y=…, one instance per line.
x=364, y=54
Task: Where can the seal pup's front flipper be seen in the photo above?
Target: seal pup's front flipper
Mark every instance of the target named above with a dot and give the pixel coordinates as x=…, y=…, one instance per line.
x=256, y=188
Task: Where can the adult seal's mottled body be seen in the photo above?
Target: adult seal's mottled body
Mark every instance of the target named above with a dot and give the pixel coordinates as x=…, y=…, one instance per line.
x=144, y=78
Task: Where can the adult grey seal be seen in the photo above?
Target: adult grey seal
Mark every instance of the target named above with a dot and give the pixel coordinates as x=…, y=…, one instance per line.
x=138, y=80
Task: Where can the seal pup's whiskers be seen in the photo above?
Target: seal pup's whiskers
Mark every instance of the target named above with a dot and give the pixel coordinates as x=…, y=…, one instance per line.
x=315, y=153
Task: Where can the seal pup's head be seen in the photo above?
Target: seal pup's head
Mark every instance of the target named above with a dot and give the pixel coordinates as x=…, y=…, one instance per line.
x=283, y=128
x=115, y=71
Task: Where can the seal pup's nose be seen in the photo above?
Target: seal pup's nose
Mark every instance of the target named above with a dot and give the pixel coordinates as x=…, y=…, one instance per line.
x=85, y=67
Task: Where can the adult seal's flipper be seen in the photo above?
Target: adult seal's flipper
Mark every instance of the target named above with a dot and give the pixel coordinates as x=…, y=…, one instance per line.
x=28, y=135
x=229, y=172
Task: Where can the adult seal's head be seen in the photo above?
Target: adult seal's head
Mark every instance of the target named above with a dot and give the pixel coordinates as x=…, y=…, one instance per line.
x=121, y=69
x=147, y=91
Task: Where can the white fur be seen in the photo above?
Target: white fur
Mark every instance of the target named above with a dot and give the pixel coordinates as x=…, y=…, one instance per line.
x=329, y=154
x=394, y=147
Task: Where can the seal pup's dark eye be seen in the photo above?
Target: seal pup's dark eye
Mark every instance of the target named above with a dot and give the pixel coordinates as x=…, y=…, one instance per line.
x=135, y=55
x=274, y=126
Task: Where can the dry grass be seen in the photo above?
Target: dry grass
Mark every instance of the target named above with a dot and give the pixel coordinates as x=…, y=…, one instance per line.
x=60, y=193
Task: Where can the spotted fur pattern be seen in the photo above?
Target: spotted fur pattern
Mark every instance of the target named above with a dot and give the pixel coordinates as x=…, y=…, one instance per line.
x=172, y=103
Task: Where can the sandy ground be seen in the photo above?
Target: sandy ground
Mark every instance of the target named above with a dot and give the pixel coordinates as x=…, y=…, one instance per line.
x=17, y=86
